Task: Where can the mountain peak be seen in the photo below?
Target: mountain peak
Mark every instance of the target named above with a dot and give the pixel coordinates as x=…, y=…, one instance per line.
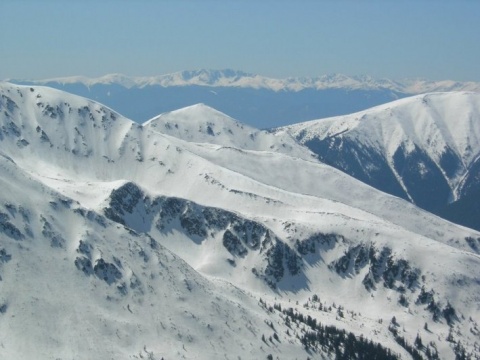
x=192, y=115
x=424, y=148
x=199, y=123
x=212, y=76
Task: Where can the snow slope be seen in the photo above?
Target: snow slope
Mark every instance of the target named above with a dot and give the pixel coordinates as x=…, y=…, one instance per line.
x=239, y=224
x=425, y=148
x=203, y=124
x=77, y=285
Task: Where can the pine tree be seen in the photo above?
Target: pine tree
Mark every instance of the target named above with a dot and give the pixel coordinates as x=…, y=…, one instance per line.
x=418, y=342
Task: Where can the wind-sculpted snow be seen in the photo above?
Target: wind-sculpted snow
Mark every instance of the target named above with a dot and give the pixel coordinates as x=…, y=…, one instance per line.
x=156, y=246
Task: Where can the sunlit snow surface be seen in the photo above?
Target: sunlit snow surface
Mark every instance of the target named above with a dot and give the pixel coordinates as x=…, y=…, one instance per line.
x=163, y=291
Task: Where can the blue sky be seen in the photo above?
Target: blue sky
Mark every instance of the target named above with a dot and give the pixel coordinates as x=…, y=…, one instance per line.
x=279, y=38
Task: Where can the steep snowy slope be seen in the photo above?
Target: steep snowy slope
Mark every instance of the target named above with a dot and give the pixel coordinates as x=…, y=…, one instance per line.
x=77, y=285
x=276, y=225
x=88, y=146
x=425, y=149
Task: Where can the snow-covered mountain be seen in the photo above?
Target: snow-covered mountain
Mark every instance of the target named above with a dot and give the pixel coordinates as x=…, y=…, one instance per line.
x=235, y=78
x=202, y=124
x=76, y=285
x=126, y=241
x=259, y=101
x=425, y=149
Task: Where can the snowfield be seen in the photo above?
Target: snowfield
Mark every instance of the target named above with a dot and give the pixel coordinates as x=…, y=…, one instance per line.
x=195, y=236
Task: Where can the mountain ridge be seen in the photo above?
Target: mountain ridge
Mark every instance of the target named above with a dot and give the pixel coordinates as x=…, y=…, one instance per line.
x=236, y=78
x=277, y=227
x=259, y=101
x=424, y=149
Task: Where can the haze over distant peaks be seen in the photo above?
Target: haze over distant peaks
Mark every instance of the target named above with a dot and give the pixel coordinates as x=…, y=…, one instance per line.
x=235, y=78
x=259, y=101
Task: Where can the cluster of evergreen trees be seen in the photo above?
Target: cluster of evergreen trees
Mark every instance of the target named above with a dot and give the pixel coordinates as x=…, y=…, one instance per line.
x=345, y=346
x=342, y=345
x=411, y=349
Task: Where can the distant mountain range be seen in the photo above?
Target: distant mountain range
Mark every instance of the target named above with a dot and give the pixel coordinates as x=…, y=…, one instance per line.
x=259, y=101
x=233, y=78
x=196, y=236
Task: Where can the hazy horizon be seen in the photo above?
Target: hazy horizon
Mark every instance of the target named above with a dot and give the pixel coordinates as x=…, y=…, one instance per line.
x=408, y=39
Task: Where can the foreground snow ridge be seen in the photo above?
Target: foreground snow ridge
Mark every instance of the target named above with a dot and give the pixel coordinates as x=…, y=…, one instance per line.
x=195, y=236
